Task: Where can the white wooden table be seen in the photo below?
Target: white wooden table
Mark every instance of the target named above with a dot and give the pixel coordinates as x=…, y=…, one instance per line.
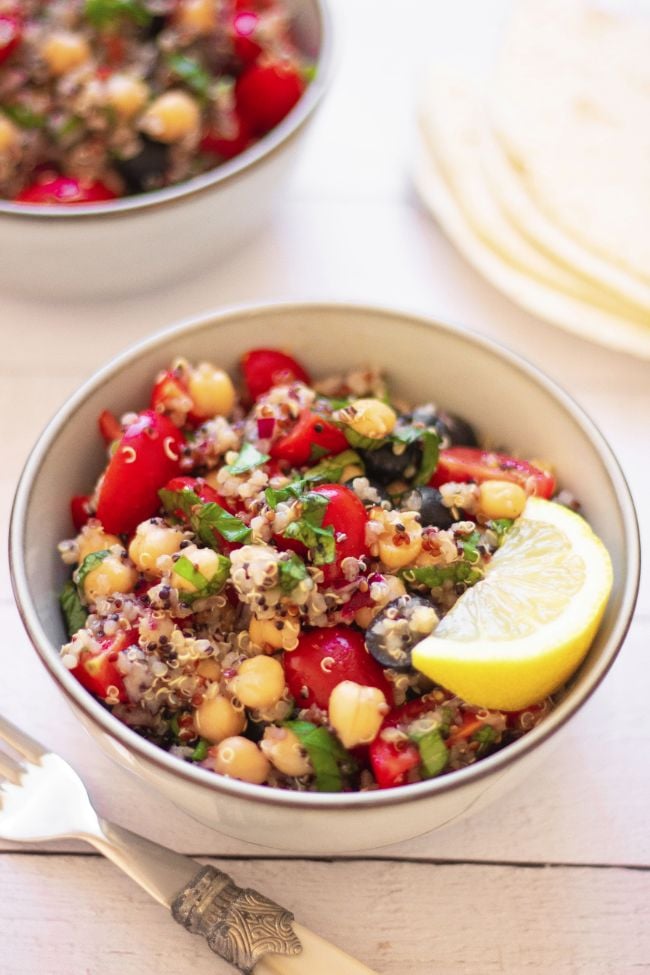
x=557, y=880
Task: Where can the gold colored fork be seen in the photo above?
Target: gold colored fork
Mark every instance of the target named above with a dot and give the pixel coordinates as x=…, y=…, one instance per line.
x=42, y=798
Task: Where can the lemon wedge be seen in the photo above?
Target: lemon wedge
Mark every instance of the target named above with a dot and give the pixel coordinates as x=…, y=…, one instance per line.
x=520, y=632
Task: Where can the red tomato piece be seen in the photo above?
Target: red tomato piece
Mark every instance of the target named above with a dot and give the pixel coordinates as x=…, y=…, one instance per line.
x=58, y=190
x=11, y=33
x=230, y=144
x=79, y=510
x=109, y=426
x=391, y=762
x=264, y=368
x=343, y=652
x=245, y=24
x=97, y=672
x=311, y=431
x=264, y=94
x=147, y=456
x=347, y=516
x=473, y=464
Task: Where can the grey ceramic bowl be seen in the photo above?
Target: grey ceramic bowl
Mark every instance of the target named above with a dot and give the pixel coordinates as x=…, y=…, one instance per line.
x=504, y=395
x=153, y=239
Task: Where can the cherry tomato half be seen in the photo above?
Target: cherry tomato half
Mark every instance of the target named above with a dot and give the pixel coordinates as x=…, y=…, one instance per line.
x=311, y=431
x=264, y=368
x=391, y=761
x=98, y=671
x=264, y=94
x=324, y=658
x=473, y=464
x=11, y=33
x=65, y=190
x=147, y=456
x=348, y=517
x=230, y=144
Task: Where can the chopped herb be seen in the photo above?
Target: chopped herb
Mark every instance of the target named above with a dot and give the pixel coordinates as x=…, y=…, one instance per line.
x=326, y=754
x=469, y=545
x=309, y=73
x=430, y=451
x=201, y=751
x=205, y=517
x=89, y=563
x=24, y=117
x=291, y=571
x=204, y=587
x=434, y=754
x=74, y=612
x=433, y=576
x=358, y=441
x=192, y=73
x=104, y=13
x=248, y=458
x=329, y=470
x=500, y=527
x=425, y=436
x=309, y=530
x=486, y=735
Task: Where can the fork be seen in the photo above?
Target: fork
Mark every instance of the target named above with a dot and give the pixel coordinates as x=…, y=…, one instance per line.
x=42, y=798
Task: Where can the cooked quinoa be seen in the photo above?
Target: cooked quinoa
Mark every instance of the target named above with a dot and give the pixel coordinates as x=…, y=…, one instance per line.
x=253, y=568
x=104, y=98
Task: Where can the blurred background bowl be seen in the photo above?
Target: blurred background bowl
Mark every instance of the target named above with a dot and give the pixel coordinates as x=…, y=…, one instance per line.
x=138, y=242
x=509, y=400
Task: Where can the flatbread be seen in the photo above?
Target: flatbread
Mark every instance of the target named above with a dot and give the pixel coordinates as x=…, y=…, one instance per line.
x=570, y=103
x=453, y=122
x=569, y=313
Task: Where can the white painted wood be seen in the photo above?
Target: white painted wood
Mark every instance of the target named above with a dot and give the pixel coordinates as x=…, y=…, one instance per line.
x=78, y=914
x=351, y=229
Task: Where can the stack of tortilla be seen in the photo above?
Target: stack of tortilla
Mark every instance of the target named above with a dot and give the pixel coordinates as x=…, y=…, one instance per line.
x=541, y=175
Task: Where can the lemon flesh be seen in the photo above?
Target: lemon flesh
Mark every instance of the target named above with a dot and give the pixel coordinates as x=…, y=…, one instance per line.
x=519, y=633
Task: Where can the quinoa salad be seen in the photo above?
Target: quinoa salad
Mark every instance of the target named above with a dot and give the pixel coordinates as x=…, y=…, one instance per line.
x=256, y=563
x=104, y=98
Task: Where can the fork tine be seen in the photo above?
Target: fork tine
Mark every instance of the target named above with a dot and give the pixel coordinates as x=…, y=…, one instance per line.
x=11, y=769
x=21, y=742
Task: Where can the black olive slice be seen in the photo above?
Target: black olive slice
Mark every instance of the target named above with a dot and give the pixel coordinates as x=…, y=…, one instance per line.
x=395, y=630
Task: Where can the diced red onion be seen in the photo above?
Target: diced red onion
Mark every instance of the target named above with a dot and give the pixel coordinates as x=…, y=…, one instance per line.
x=265, y=427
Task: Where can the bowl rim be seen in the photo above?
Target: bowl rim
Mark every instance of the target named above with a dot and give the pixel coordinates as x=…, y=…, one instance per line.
x=208, y=781
x=230, y=171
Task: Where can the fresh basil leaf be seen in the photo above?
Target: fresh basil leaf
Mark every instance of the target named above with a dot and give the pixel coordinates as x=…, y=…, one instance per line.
x=485, y=735
x=204, y=517
x=291, y=571
x=201, y=750
x=500, y=527
x=433, y=576
x=104, y=13
x=326, y=754
x=308, y=529
x=469, y=545
x=316, y=452
x=204, y=587
x=434, y=754
x=359, y=442
x=24, y=117
x=89, y=563
x=193, y=73
x=74, y=612
x=248, y=458
x=430, y=451
x=329, y=470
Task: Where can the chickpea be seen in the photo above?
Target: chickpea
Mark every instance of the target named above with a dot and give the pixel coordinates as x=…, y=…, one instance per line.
x=63, y=51
x=151, y=541
x=171, y=117
x=283, y=749
x=216, y=718
x=126, y=94
x=356, y=712
x=401, y=541
x=241, y=759
x=196, y=16
x=500, y=499
x=204, y=560
x=93, y=538
x=9, y=135
x=209, y=669
x=112, y=575
x=370, y=418
x=211, y=390
x=259, y=682
x=394, y=588
x=281, y=634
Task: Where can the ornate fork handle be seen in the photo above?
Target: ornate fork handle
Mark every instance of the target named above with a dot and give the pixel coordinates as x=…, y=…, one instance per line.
x=239, y=924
